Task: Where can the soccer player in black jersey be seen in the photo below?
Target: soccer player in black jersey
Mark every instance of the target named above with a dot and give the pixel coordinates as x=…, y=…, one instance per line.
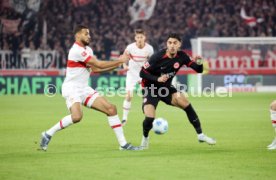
x=157, y=75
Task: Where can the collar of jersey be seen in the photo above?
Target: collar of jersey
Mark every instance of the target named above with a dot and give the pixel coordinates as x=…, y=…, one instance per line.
x=79, y=44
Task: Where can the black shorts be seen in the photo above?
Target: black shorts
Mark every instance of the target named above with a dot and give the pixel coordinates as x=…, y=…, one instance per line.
x=154, y=95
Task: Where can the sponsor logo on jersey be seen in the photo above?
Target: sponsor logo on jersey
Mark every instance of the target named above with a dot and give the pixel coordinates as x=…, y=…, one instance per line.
x=176, y=65
x=83, y=53
x=146, y=65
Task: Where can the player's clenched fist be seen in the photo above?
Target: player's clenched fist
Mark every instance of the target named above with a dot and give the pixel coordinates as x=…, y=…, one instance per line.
x=163, y=78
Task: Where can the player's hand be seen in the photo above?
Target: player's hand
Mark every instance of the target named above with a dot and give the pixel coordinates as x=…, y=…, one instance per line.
x=163, y=78
x=124, y=58
x=125, y=67
x=198, y=60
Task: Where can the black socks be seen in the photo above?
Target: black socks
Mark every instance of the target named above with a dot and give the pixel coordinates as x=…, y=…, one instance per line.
x=192, y=116
x=147, y=125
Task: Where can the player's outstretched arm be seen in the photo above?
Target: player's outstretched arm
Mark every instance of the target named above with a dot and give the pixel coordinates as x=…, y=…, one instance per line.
x=99, y=70
x=125, y=66
x=197, y=64
x=94, y=62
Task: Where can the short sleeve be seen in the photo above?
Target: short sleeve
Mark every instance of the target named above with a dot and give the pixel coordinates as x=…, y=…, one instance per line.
x=186, y=59
x=152, y=61
x=79, y=54
x=151, y=51
x=128, y=48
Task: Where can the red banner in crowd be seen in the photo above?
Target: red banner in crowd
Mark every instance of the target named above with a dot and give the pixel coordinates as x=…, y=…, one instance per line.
x=243, y=59
x=78, y=3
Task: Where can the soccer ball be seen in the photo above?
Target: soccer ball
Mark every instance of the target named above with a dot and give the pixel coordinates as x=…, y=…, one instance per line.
x=160, y=126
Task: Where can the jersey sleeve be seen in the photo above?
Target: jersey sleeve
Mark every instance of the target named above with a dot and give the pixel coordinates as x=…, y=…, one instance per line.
x=128, y=48
x=145, y=72
x=151, y=51
x=190, y=63
x=149, y=65
x=80, y=55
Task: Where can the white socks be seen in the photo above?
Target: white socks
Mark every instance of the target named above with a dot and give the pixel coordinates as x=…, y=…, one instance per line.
x=200, y=136
x=116, y=125
x=113, y=121
x=126, y=108
x=65, y=122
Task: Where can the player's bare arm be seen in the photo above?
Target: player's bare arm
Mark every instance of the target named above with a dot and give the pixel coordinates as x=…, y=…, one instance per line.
x=107, y=64
x=125, y=66
x=99, y=70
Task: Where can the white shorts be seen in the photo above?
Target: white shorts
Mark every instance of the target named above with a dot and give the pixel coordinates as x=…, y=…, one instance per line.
x=131, y=82
x=85, y=95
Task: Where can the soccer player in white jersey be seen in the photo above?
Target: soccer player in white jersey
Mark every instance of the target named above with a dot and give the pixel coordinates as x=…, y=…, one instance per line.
x=272, y=146
x=139, y=52
x=76, y=91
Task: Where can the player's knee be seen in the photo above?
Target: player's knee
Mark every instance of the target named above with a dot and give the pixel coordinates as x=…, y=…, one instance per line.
x=273, y=105
x=182, y=103
x=76, y=118
x=111, y=110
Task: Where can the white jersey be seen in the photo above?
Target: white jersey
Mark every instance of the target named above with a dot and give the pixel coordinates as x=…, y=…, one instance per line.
x=137, y=58
x=77, y=72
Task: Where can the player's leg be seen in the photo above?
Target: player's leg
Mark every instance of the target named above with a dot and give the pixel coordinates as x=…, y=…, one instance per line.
x=127, y=106
x=272, y=146
x=74, y=117
x=130, y=85
x=102, y=105
x=180, y=101
x=149, y=107
x=149, y=111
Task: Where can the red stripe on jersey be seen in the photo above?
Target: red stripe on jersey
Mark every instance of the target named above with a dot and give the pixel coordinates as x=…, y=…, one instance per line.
x=60, y=124
x=165, y=56
x=116, y=126
x=273, y=121
x=138, y=56
x=145, y=71
x=143, y=83
x=74, y=64
x=133, y=58
x=189, y=64
x=87, y=59
x=138, y=60
x=88, y=98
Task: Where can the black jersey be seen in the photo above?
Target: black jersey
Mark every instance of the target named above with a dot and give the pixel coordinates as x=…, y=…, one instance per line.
x=159, y=64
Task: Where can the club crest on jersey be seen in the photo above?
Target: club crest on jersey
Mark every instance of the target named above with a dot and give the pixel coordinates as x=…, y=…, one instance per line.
x=176, y=65
x=146, y=65
x=83, y=53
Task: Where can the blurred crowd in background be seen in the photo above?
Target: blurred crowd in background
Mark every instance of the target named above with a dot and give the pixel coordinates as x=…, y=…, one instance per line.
x=51, y=26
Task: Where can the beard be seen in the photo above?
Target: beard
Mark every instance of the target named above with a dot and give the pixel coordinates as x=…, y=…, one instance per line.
x=85, y=43
x=172, y=54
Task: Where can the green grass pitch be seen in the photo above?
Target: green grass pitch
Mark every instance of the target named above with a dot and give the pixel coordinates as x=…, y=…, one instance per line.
x=89, y=150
